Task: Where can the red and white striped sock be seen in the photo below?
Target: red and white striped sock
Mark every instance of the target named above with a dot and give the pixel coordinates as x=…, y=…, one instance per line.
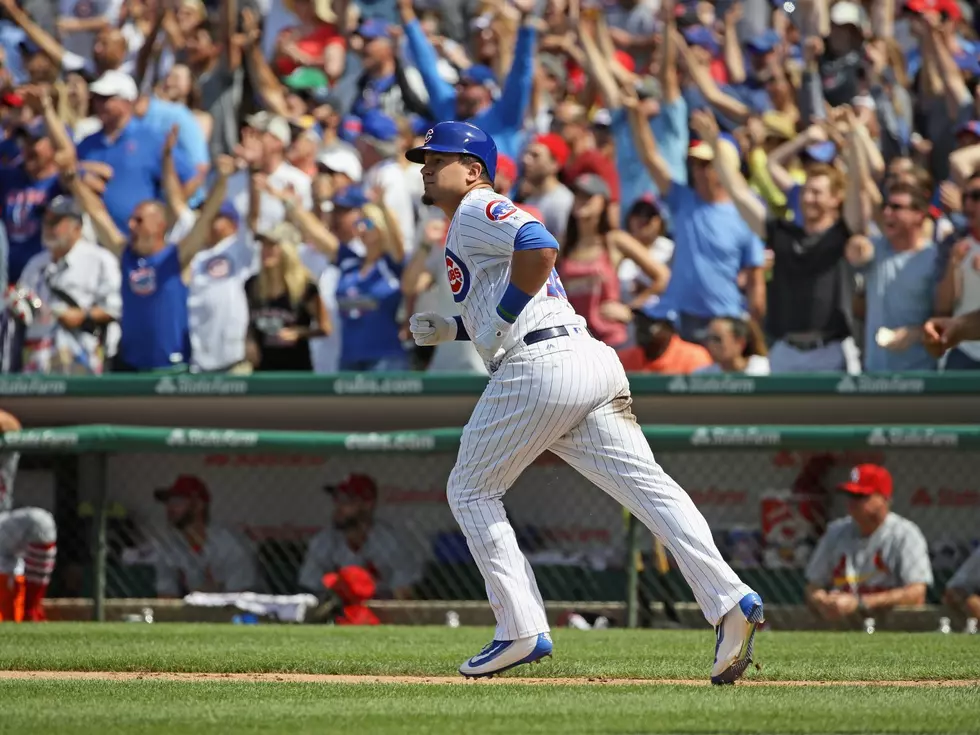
x=38, y=565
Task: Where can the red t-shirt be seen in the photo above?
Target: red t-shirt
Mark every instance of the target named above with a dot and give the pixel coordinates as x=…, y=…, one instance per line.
x=313, y=42
x=593, y=162
x=680, y=358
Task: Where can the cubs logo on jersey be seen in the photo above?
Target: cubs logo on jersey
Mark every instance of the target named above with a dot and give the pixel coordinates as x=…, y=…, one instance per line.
x=218, y=267
x=459, y=276
x=500, y=209
x=143, y=281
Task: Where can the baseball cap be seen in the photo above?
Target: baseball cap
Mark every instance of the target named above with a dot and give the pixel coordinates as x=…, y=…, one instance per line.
x=847, y=14
x=601, y=118
x=342, y=161
x=185, y=486
x=779, y=125
x=306, y=78
x=647, y=204
x=764, y=42
x=967, y=62
x=656, y=310
x=11, y=99
x=506, y=167
x=478, y=74
x=284, y=232
x=115, y=83
x=355, y=485
x=648, y=88
x=36, y=129
x=554, y=67
x=868, y=479
x=351, y=197
x=373, y=28
x=377, y=125
x=229, y=212
x=556, y=146
x=701, y=36
x=824, y=152
x=592, y=185
x=625, y=60
x=64, y=206
x=352, y=584
x=350, y=128
x=278, y=127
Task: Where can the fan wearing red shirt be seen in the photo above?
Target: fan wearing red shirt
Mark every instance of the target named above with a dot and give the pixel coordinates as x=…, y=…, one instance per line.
x=316, y=42
x=659, y=349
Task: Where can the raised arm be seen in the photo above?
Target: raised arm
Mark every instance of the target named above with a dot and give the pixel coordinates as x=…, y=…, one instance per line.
x=442, y=95
x=955, y=88
x=701, y=76
x=670, y=85
x=149, y=51
x=749, y=207
x=646, y=145
x=268, y=86
x=105, y=228
x=38, y=36
x=790, y=149
x=173, y=190
x=516, y=93
x=734, y=58
x=197, y=239
x=314, y=232
x=598, y=68
x=228, y=25
x=857, y=210
x=949, y=290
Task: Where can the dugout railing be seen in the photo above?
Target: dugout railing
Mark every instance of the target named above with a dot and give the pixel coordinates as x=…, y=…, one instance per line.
x=767, y=492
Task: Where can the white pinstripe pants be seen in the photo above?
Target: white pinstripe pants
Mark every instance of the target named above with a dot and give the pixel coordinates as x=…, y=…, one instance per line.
x=571, y=396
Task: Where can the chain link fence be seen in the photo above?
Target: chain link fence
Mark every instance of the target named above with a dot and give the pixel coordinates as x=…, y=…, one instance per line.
x=193, y=510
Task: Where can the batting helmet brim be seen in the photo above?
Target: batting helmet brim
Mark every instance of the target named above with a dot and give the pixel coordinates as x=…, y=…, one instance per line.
x=417, y=155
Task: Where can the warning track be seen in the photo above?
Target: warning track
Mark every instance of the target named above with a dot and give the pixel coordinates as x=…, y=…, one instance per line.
x=124, y=676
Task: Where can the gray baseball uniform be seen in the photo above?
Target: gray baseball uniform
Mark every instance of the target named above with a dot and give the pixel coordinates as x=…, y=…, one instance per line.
x=382, y=554
x=967, y=577
x=893, y=556
x=27, y=534
x=224, y=564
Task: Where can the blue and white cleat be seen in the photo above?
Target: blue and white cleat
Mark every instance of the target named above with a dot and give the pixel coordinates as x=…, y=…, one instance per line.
x=734, y=638
x=499, y=656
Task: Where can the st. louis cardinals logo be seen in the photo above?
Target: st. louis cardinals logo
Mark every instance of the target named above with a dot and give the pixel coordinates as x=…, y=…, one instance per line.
x=499, y=209
x=459, y=276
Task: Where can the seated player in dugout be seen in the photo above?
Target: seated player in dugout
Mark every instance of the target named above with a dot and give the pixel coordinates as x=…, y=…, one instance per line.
x=196, y=555
x=356, y=538
x=870, y=561
x=962, y=594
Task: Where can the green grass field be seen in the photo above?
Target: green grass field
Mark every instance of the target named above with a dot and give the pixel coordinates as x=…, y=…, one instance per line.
x=210, y=704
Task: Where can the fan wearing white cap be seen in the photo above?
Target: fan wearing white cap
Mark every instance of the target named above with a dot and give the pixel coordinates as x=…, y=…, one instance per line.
x=843, y=60
x=132, y=149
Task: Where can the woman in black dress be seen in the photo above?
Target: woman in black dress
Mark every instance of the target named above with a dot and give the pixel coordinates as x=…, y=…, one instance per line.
x=285, y=308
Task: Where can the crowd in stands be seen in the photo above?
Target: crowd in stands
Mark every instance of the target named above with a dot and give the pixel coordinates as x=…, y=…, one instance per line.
x=738, y=186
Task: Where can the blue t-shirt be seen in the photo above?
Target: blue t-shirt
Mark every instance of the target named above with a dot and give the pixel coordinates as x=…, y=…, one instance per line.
x=155, y=332
x=712, y=245
x=161, y=116
x=899, y=287
x=368, y=305
x=136, y=157
x=24, y=201
x=670, y=129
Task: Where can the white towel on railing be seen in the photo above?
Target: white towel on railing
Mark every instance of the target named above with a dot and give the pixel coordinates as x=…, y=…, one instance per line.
x=286, y=608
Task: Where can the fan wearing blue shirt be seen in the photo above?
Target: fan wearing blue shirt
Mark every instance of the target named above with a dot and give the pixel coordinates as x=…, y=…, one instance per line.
x=473, y=98
x=369, y=287
x=154, y=323
x=713, y=244
x=25, y=191
x=133, y=149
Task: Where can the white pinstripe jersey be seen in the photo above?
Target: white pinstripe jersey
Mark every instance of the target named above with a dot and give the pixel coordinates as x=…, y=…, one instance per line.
x=479, y=247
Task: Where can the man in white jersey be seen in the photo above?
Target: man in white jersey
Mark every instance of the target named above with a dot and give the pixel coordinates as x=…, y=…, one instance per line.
x=552, y=387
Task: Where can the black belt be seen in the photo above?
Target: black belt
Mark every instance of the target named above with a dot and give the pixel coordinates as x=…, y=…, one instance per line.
x=540, y=335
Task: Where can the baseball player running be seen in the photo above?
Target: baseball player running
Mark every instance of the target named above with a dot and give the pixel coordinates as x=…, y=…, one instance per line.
x=552, y=387
x=28, y=537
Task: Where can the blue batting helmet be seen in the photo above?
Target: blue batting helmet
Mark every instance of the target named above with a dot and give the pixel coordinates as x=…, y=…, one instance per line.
x=458, y=137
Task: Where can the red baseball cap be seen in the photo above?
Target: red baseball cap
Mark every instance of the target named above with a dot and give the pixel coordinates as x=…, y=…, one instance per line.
x=868, y=479
x=185, y=486
x=556, y=146
x=352, y=584
x=355, y=486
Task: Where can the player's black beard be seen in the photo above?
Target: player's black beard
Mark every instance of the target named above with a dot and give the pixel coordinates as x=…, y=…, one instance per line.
x=427, y=200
